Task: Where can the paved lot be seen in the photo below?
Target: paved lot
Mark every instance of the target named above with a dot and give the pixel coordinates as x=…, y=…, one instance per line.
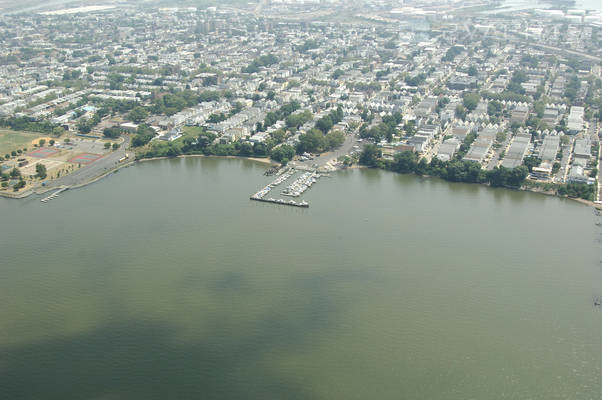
x=85, y=146
x=94, y=170
x=324, y=158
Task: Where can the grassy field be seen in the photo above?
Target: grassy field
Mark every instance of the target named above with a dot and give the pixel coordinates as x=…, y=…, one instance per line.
x=192, y=131
x=13, y=140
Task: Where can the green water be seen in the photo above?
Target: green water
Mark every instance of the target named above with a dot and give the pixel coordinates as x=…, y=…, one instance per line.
x=164, y=281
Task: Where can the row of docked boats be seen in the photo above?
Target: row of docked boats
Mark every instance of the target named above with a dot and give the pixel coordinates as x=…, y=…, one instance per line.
x=302, y=204
x=53, y=195
x=282, y=178
x=260, y=196
x=301, y=184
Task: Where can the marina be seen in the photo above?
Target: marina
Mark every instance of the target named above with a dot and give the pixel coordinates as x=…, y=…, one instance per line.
x=295, y=189
x=301, y=184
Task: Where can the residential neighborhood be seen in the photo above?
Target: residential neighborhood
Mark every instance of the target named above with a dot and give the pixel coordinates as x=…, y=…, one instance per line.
x=445, y=82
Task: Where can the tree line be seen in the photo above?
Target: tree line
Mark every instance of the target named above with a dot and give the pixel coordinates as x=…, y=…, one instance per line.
x=456, y=170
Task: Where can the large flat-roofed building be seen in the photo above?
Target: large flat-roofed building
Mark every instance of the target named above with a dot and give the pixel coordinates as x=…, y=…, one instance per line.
x=550, y=116
x=544, y=171
x=549, y=148
x=517, y=151
x=462, y=82
x=575, y=120
x=479, y=149
x=426, y=107
x=488, y=133
x=461, y=131
x=582, y=149
x=447, y=149
x=419, y=142
x=577, y=175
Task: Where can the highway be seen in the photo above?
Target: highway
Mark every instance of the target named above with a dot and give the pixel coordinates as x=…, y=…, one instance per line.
x=522, y=40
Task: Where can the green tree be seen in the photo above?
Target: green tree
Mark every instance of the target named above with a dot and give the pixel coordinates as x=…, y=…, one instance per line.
x=334, y=140
x=530, y=162
x=143, y=135
x=138, y=114
x=283, y=152
x=405, y=162
x=111, y=133
x=461, y=112
x=278, y=135
x=471, y=100
x=41, y=171
x=312, y=141
x=15, y=173
x=370, y=155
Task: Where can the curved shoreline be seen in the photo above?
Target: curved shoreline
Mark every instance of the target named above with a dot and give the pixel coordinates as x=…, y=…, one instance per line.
x=266, y=161
x=43, y=190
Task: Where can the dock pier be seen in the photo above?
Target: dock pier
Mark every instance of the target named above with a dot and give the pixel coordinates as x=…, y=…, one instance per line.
x=282, y=202
x=54, y=195
x=300, y=185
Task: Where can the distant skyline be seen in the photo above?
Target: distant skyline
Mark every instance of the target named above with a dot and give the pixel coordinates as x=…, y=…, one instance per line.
x=35, y=5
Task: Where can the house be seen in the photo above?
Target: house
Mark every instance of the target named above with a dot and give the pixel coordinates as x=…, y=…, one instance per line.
x=171, y=135
x=129, y=127
x=419, y=142
x=448, y=149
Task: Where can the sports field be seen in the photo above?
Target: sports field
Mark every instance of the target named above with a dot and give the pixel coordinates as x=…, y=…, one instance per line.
x=85, y=158
x=13, y=140
x=44, y=152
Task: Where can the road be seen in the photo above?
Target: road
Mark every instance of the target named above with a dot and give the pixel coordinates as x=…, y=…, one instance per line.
x=519, y=37
x=567, y=151
x=599, y=192
x=92, y=171
x=504, y=146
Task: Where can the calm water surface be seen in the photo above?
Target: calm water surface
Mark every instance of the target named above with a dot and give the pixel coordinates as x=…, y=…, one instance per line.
x=164, y=281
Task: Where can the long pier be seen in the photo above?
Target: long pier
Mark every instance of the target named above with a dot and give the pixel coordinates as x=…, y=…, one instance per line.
x=282, y=202
x=54, y=195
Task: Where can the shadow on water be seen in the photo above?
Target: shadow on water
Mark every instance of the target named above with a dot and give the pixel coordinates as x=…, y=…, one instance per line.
x=142, y=361
x=145, y=360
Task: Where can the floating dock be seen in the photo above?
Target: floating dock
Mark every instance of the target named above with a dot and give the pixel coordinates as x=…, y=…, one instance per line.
x=260, y=195
x=301, y=184
x=53, y=195
x=282, y=202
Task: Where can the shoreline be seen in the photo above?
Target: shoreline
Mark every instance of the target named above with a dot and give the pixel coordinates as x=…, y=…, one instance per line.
x=256, y=159
x=266, y=161
x=43, y=190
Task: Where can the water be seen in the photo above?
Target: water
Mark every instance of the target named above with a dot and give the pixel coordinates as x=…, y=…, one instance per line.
x=164, y=281
x=510, y=5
